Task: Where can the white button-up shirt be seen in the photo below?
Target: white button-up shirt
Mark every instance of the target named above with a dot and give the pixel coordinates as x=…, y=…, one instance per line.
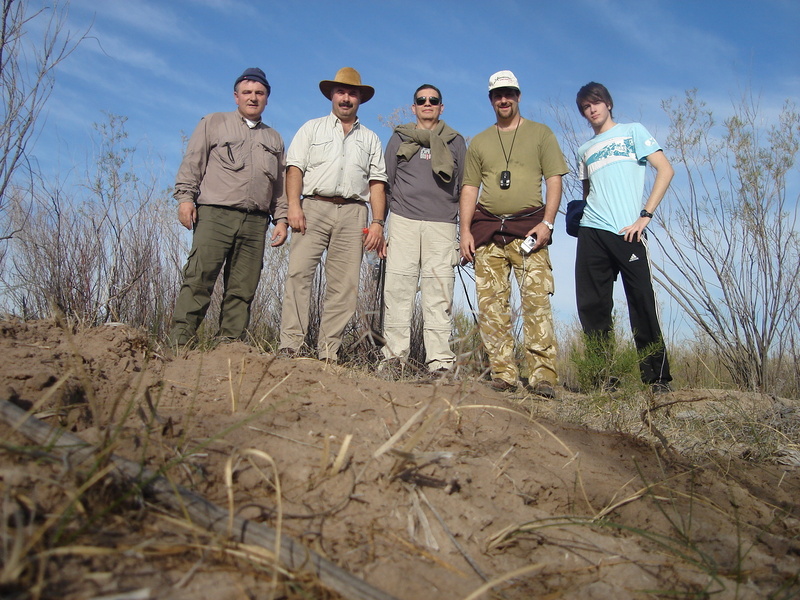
x=334, y=164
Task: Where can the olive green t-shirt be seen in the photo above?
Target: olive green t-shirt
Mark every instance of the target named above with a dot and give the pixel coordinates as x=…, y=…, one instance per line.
x=533, y=156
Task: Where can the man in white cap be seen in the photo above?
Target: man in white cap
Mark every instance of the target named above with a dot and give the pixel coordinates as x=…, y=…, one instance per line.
x=229, y=186
x=508, y=162
x=335, y=166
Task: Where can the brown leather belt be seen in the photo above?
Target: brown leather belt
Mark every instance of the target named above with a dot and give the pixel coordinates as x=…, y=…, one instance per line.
x=334, y=199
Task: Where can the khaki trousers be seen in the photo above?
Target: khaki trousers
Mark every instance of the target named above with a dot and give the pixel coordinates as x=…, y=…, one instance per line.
x=337, y=231
x=534, y=275
x=421, y=255
x=221, y=236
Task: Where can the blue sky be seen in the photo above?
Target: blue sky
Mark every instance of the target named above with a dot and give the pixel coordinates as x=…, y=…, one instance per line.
x=166, y=63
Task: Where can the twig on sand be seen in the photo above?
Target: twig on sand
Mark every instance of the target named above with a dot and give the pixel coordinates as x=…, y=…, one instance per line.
x=293, y=555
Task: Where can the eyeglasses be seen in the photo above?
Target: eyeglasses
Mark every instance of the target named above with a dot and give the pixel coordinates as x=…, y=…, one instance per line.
x=420, y=100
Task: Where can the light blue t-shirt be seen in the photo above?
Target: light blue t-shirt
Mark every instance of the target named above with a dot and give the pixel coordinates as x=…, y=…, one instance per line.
x=615, y=163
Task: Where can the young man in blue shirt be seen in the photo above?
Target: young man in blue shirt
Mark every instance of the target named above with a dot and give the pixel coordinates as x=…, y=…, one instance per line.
x=612, y=239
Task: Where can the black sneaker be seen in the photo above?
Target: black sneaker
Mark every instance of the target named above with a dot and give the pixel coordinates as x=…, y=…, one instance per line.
x=610, y=385
x=660, y=387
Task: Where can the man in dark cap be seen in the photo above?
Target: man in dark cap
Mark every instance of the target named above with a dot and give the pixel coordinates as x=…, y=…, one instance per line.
x=335, y=166
x=229, y=187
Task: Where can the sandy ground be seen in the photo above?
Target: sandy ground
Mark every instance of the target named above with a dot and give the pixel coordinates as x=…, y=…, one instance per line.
x=423, y=490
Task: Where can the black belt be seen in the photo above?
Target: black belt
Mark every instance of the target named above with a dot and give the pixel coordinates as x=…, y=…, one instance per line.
x=249, y=211
x=334, y=199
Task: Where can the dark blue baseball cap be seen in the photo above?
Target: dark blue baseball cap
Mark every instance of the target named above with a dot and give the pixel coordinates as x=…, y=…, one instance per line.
x=253, y=74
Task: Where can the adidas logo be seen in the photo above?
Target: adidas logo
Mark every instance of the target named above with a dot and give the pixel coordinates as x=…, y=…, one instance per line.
x=633, y=258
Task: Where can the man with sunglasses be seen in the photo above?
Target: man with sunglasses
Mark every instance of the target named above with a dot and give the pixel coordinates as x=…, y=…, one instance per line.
x=507, y=163
x=425, y=166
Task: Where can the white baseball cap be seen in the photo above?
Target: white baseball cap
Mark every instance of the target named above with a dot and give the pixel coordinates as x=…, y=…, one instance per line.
x=503, y=79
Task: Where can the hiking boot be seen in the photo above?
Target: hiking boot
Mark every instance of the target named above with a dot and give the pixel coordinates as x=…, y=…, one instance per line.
x=390, y=369
x=440, y=374
x=500, y=385
x=543, y=389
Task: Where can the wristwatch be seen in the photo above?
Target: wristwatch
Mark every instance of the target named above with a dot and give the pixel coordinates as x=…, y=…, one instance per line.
x=549, y=224
x=380, y=222
x=644, y=213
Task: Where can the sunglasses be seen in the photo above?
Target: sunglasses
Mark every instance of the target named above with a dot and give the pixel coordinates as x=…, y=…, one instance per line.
x=420, y=100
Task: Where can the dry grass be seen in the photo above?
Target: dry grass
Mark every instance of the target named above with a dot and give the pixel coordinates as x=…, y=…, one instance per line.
x=77, y=516
x=123, y=264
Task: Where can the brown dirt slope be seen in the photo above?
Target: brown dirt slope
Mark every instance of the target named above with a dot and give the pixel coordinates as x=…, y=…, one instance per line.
x=423, y=490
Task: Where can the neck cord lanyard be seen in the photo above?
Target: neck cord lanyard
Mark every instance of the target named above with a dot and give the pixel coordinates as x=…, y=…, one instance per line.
x=513, y=139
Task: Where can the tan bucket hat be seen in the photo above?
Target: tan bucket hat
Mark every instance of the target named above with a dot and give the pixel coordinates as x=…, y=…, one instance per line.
x=346, y=76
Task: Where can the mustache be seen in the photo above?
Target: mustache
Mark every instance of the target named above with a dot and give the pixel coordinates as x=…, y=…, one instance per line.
x=346, y=104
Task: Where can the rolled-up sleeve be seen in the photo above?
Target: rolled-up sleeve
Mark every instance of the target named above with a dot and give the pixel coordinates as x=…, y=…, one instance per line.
x=297, y=155
x=377, y=164
x=279, y=206
x=193, y=165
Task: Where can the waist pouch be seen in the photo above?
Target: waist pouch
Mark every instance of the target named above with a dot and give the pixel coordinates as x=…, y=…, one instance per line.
x=487, y=227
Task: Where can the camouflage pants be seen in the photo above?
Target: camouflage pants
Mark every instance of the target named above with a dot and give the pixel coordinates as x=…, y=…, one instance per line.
x=534, y=275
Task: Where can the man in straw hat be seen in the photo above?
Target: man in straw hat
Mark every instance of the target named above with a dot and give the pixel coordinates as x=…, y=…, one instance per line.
x=335, y=166
x=229, y=186
x=508, y=163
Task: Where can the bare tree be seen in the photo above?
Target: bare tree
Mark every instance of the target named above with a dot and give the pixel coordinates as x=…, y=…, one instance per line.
x=108, y=252
x=731, y=245
x=572, y=132
x=398, y=116
x=26, y=79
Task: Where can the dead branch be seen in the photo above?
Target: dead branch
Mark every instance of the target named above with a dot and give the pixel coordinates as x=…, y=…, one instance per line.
x=293, y=555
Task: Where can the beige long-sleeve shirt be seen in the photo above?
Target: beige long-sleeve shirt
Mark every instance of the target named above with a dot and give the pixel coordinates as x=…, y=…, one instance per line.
x=227, y=163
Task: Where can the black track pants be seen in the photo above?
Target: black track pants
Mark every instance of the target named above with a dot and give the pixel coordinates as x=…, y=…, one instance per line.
x=600, y=257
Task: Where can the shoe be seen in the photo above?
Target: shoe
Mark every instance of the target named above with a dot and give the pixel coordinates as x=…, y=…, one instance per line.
x=660, y=387
x=544, y=389
x=331, y=360
x=390, y=369
x=610, y=385
x=440, y=374
x=499, y=385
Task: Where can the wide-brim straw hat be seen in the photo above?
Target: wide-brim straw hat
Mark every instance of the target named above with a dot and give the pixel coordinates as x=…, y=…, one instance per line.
x=350, y=77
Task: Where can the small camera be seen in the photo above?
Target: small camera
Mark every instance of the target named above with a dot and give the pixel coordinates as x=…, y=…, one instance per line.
x=528, y=244
x=505, y=180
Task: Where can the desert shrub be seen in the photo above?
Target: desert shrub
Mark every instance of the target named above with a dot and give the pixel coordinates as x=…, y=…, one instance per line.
x=697, y=364
x=732, y=250
x=105, y=251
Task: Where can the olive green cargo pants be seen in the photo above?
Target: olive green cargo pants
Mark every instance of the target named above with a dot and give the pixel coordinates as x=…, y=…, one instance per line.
x=221, y=236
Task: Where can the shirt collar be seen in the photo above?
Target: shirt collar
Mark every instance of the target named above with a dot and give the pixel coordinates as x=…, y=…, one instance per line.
x=336, y=121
